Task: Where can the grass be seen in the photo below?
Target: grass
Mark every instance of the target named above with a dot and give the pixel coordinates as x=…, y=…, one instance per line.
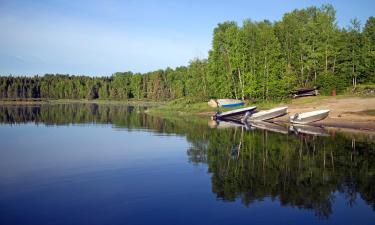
x=189, y=106
x=315, y=99
x=269, y=104
x=310, y=99
x=363, y=86
x=361, y=90
x=182, y=106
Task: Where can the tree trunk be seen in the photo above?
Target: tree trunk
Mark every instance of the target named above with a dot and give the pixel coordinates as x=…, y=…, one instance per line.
x=241, y=83
x=234, y=84
x=267, y=77
x=354, y=77
x=326, y=59
x=264, y=78
x=231, y=75
x=204, y=81
x=301, y=79
x=315, y=75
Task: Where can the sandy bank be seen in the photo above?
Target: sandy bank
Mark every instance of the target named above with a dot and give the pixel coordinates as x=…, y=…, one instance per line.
x=352, y=113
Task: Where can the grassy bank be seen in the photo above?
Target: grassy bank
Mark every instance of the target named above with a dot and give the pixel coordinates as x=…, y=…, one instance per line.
x=183, y=106
x=196, y=106
x=188, y=107
x=199, y=107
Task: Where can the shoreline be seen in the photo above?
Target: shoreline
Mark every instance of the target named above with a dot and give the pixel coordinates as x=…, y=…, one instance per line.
x=347, y=112
x=82, y=101
x=356, y=113
x=337, y=123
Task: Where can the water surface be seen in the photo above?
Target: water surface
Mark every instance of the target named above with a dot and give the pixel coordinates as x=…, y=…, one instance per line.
x=103, y=164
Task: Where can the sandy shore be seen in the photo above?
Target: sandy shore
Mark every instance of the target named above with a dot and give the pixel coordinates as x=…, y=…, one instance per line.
x=346, y=112
x=351, y=112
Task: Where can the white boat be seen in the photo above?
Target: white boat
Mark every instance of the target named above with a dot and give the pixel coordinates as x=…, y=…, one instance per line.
x=268, y=114
x=229, y=102
x=236, y=112
x=309, y=117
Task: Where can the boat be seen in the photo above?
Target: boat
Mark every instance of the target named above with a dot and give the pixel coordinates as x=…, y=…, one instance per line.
x=308, y=129
x=302, y=92
x=268, y=114
x=274, y=127
x=309, y=117
x=235, y=113
x=229, y=102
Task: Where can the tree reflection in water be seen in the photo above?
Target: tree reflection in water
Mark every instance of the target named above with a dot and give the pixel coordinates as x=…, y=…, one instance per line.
x=303, y=171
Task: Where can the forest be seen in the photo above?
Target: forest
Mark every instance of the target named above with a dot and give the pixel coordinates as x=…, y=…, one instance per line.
x=259, y=60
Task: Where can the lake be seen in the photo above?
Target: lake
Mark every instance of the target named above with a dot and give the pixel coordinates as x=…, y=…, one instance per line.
x=108, y=164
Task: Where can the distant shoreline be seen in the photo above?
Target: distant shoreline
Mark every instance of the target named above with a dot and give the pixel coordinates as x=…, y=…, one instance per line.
x=83, y=101
x=346, y=112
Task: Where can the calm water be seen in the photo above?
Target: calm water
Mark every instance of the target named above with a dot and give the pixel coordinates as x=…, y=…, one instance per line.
x=91, y=164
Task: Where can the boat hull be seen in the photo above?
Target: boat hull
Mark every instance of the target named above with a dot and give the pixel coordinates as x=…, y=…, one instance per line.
x=229, y=103
x=268, y=114
x=309, y=119
x=233, y=105
x=236, y=112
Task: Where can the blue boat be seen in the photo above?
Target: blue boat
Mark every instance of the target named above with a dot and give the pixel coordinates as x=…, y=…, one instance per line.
x=230, y=103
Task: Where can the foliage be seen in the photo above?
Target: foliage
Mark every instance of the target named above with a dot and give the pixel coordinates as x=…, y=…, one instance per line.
x=262, y=61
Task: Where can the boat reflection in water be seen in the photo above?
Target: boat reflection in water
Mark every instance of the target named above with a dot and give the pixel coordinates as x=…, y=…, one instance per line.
x=298, y=174
x=269, y=126
x=298, y=129
x=225, y=123
x=302, y=167
x=308, y=129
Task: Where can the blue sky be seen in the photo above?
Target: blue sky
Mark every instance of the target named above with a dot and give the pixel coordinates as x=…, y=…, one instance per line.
x=101, y=37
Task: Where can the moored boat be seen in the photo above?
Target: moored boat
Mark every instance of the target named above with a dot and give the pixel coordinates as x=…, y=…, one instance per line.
x=268, y=114
x=236, y=112
x=309, y=117
x=230, y=102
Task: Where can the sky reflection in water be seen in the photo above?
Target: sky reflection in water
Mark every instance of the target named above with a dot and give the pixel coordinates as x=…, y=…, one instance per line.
x=97, y=164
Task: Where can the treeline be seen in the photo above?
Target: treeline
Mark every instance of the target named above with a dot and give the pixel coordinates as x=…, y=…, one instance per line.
x=157, y=85
x=258, y=60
